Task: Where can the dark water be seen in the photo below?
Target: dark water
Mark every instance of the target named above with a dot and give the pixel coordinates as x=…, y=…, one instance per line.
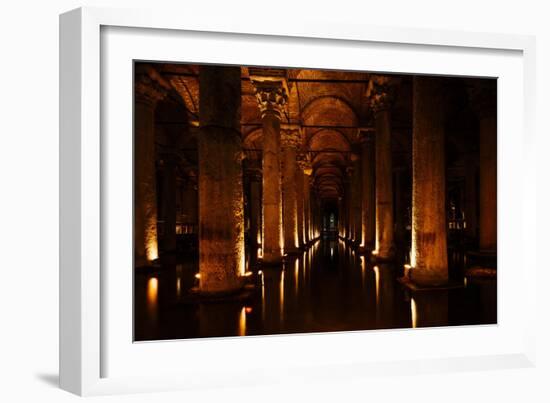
x=327, y=288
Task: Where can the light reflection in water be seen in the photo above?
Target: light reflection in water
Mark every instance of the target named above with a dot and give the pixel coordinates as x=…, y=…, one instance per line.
x=363, y=265
x=152, y=297
x=377, y=284
x=242, y=322
x=296, y=275
x=152, y=291
x=330, y=294
x=282, y=297
x=414, y=313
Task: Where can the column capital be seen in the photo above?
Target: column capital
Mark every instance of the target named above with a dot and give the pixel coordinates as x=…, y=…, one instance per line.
x=304, y=163
x=149, y=86
x=271, y=95
x=380, y=92
x=290, y=136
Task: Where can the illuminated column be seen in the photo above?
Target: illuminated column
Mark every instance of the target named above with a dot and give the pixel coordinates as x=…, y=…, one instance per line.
x=380, y=96
x=221, y=217
x=307, y=205
x=485, y=97
x=347, y=203
x=356, y=200
x=149, y=89
x=368, y=190
x=300, y=200
x=271, y=96
x=429, y=232
x=255, y=201
x=290, y=141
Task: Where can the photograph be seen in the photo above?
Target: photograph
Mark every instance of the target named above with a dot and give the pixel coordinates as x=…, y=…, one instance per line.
x=286, y=200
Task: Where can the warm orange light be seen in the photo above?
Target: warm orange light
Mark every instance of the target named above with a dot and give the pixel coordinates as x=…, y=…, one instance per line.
x=242, y=322
x=248, y=274
x=152, y=249
x=198, y=276
x=152, y=290
x=377, y=283
x=414, y=318
x=248, y=309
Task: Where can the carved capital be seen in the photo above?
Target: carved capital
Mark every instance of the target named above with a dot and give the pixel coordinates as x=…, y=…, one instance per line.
x=271, y=97
x=149, y=87
x=290, y=137
x=304, y=163
x=380, y=92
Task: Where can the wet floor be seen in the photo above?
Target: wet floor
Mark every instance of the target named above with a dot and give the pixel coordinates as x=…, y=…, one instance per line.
x=327, y=288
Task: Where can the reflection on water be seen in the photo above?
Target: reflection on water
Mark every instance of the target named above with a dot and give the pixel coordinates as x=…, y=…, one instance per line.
x=327, y=288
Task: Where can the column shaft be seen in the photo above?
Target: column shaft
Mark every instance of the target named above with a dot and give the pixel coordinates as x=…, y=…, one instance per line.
x=429, y=233
x=368, y=220
x=169, y=203
x=221, y=216
x=147, y=92
x=272, y=203
x=290, y=204
x=384, y=186
x=300, y=206
x=356, y=201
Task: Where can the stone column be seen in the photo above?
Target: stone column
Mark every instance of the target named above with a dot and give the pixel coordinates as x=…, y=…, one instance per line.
x=470, y=195
x=290, y=141
x=169, y=162
x=255, y=201
x=149, y=89
x=356, y=200
x=429, y=229
x=221, y=216
x=485, y=100
x=300, y=200
x=271, y=96
x=368, y=194
x=380, y=101
x=347, y=203
x=307, y=203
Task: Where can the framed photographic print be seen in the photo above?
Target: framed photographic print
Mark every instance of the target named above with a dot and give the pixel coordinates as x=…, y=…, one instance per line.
x=244, y=204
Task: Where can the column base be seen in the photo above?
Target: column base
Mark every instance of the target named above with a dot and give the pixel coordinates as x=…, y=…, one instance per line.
x=411, y=285
x=293, y=252
x=195, y=295
x=145, y=266
x=271, y=262
x=481, y=272
x=484, y=258
x=382, y=259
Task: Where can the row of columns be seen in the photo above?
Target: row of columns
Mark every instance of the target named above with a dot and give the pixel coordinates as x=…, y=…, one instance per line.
x=429, y=262
x=368, y=213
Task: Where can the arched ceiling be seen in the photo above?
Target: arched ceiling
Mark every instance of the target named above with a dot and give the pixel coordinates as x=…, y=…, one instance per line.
x=330, y=106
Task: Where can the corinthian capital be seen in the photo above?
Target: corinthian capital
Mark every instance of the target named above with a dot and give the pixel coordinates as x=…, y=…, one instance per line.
x=304, y=163
x=380, y=92
x=290, y=136
x=271, y=97
x=149, y=86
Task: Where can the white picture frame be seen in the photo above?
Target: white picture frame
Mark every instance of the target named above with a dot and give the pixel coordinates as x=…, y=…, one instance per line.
x=88, y=335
